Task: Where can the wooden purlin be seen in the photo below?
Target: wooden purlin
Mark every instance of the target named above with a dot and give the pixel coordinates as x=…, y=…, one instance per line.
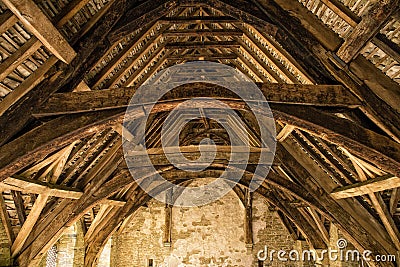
x=35, y=96
x=288, y=104
x=37, y=23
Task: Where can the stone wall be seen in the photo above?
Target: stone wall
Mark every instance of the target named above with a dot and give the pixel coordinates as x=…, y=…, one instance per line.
x=335, y=235
x=66, y=248
x=211, y=235
x=79, y=249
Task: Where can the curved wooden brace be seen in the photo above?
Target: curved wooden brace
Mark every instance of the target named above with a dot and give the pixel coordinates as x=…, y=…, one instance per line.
x=360, y=228
x=95, y=246
x=360, y=141
x=90, y=44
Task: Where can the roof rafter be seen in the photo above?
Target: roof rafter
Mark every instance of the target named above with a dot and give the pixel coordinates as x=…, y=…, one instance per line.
x=37, y=23
x=367, y=29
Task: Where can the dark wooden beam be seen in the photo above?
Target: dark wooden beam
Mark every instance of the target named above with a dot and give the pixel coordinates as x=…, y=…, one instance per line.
x=19, y=206
x=168, y=218
x=203, y=57
x=140, y=16
x=394, y=200
x=381, y=85
x=91, y=45
x=5, y=219
x=248, y=220
x=290, y=15
x=205, y=44
x=374, y=91
x=30, y=221
x=7, y=20
x=202, y=32
x=380, y=40
x=286, y=222
x=369, y=26
x=197, y=19
x=319, y=95
x=360, y=228
x=388, y=46
x=223, y=154
x=51, y=225
x=37, y=23
x=102, y=217
x=367, y=187
x=308, y=24
x=41, y=141
x=343, y=11
x=68, y=11
x=311, y=233
x=13, y=61
x=38, y=187
x=244, y=11
x=362, y=142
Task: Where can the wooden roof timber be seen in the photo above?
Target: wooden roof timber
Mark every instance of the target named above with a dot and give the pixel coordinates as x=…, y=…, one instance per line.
x=367, y=28
x=334, y=133
x=370, y=186
x=112, y=225
x=375, y=83
x=91, y=43
x=301, y=94
x=91, y=248
x=37, y=23
x=306, y=226
x=340, y=214
x=141, y=15
x=124, y=69
x=315, y=62
x=353, y=20
x=375, y=198
x=53, y=190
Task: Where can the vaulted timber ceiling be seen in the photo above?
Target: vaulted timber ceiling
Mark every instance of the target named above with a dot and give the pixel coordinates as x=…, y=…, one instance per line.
x=330, y=70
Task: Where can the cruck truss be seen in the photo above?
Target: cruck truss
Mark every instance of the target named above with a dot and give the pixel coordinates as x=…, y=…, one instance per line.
x=330, y=70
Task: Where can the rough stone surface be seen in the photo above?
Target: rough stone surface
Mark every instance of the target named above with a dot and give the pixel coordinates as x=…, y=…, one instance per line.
x=104, y=260
x=79, y=249
x=211, y=235
x=66, y=248
x=335, y=235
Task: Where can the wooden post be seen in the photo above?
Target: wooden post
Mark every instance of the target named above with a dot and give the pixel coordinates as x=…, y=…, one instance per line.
x=168, y=218
x=248, y=219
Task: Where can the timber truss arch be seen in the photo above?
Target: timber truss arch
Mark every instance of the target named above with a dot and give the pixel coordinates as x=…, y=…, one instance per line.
x=330, y=70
